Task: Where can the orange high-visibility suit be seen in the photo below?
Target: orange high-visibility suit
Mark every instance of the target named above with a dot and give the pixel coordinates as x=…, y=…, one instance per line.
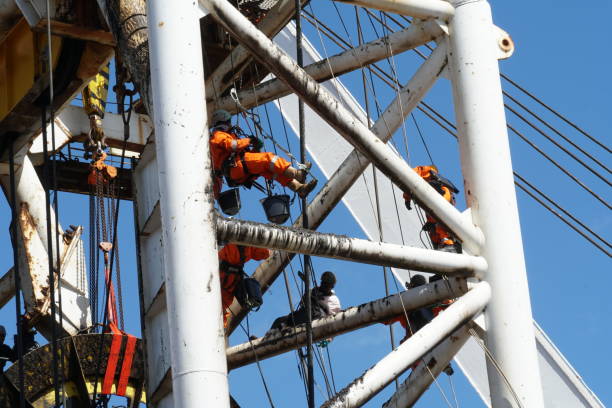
x=224, y=143
x=231, y=261
x=439, y=235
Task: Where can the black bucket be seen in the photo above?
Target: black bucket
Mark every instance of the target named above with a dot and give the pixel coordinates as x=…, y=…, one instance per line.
x=229, y=201
x=276, y=208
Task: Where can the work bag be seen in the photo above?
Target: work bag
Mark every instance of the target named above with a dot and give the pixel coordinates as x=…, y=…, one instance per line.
x=248, y=294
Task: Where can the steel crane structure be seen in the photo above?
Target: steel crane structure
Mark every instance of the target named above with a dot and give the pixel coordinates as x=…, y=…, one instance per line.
x=177, y=226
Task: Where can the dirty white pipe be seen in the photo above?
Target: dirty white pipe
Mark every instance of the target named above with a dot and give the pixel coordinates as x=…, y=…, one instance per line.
x=353, y=130
x=354, y=165
x=30, y=194
x=345, y=321
x=334, y=246
x=425, y=373
x=238, y=59
x=399, y=360
x=422, y=9
x=416, y=34
x=193, y=294
x=489, y=185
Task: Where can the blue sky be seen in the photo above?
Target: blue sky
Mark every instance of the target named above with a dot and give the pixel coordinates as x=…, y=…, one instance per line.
x=561, y=63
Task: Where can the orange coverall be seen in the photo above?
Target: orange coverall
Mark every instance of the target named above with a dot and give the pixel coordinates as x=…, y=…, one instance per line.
x=438, y=234
x=266, y=164
x=230, y=253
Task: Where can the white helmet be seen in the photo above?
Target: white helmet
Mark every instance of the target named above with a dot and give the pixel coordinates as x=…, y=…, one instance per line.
x=220, y=115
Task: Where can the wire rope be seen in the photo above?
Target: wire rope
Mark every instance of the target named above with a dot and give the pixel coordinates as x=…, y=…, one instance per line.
x=557, y=132
x=557, y=114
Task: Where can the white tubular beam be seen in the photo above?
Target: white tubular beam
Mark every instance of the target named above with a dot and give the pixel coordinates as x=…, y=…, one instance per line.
x=197, y=343
x=431, y=366
x=30, y=194
x=354, y=165
x=238, y=60
x=357, y=133
x=308, y=242
x=348, y=320
x=350, y=60
x=399, y=360
x=422, y=9
x=487, y=170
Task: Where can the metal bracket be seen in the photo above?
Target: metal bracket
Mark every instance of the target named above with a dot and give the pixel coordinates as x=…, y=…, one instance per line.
x=35, y=10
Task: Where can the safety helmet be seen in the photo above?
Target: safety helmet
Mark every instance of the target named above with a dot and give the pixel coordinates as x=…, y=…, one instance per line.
x=417, y=280
x=220, y=115
x=328, y=279
x=2, y=331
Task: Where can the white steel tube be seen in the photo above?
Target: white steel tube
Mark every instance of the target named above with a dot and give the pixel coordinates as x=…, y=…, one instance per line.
x=354, y=165
x=425, y=373
x=347, y=320
x=31, y=194
x=422, y=9
x=362, y=389
x=416, y=34
x=355, y=132
x=193, y=295
x=489, y=187
x=238, y=59
x=334, y=246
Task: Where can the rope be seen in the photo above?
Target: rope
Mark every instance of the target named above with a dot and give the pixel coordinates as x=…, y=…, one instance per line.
x=557, y=114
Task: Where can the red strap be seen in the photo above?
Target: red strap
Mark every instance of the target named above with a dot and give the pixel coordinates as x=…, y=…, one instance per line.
x=126, y=367
x=111, y=365
x=112, y=304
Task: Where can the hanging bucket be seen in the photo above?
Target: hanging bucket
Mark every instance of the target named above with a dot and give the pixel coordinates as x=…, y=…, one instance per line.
x=276, y=208
x=229, y=201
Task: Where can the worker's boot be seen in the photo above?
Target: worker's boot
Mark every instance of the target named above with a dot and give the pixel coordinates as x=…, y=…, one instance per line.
x=305, y=189
x=302, y=189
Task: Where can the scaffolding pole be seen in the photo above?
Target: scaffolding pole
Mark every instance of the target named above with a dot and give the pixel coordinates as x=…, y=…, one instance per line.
x=299, y=240
x=423, y=9
x=353, y=318
x=364, y=388
x=425, y=373
x=490, y=194
x=193, y=293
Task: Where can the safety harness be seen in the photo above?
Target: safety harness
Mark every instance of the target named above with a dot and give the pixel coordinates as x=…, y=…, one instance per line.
x=248, y=290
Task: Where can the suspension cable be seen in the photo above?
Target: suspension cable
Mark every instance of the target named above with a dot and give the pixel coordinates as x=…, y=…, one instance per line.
x=557, y=114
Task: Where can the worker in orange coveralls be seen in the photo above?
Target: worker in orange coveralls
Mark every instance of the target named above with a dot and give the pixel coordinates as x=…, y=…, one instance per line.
x=231, y=270
x=241, y=162
x=439, y=235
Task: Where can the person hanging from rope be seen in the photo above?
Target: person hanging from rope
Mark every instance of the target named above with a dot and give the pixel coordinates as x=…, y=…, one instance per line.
x=324, y=302
x=440, y=237
x=417, y=319
x=231, y=271
x=241, y=162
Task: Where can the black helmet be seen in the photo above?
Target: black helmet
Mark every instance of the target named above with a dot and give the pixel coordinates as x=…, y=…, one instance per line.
x=417, y=280
x=328, y=279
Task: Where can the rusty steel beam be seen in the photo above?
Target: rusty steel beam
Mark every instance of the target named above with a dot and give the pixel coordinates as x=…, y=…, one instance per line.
x=353, y=318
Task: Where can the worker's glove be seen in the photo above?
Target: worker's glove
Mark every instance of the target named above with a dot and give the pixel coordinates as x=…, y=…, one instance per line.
x=256, y=143
x=429, y=226
x=408, y=206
